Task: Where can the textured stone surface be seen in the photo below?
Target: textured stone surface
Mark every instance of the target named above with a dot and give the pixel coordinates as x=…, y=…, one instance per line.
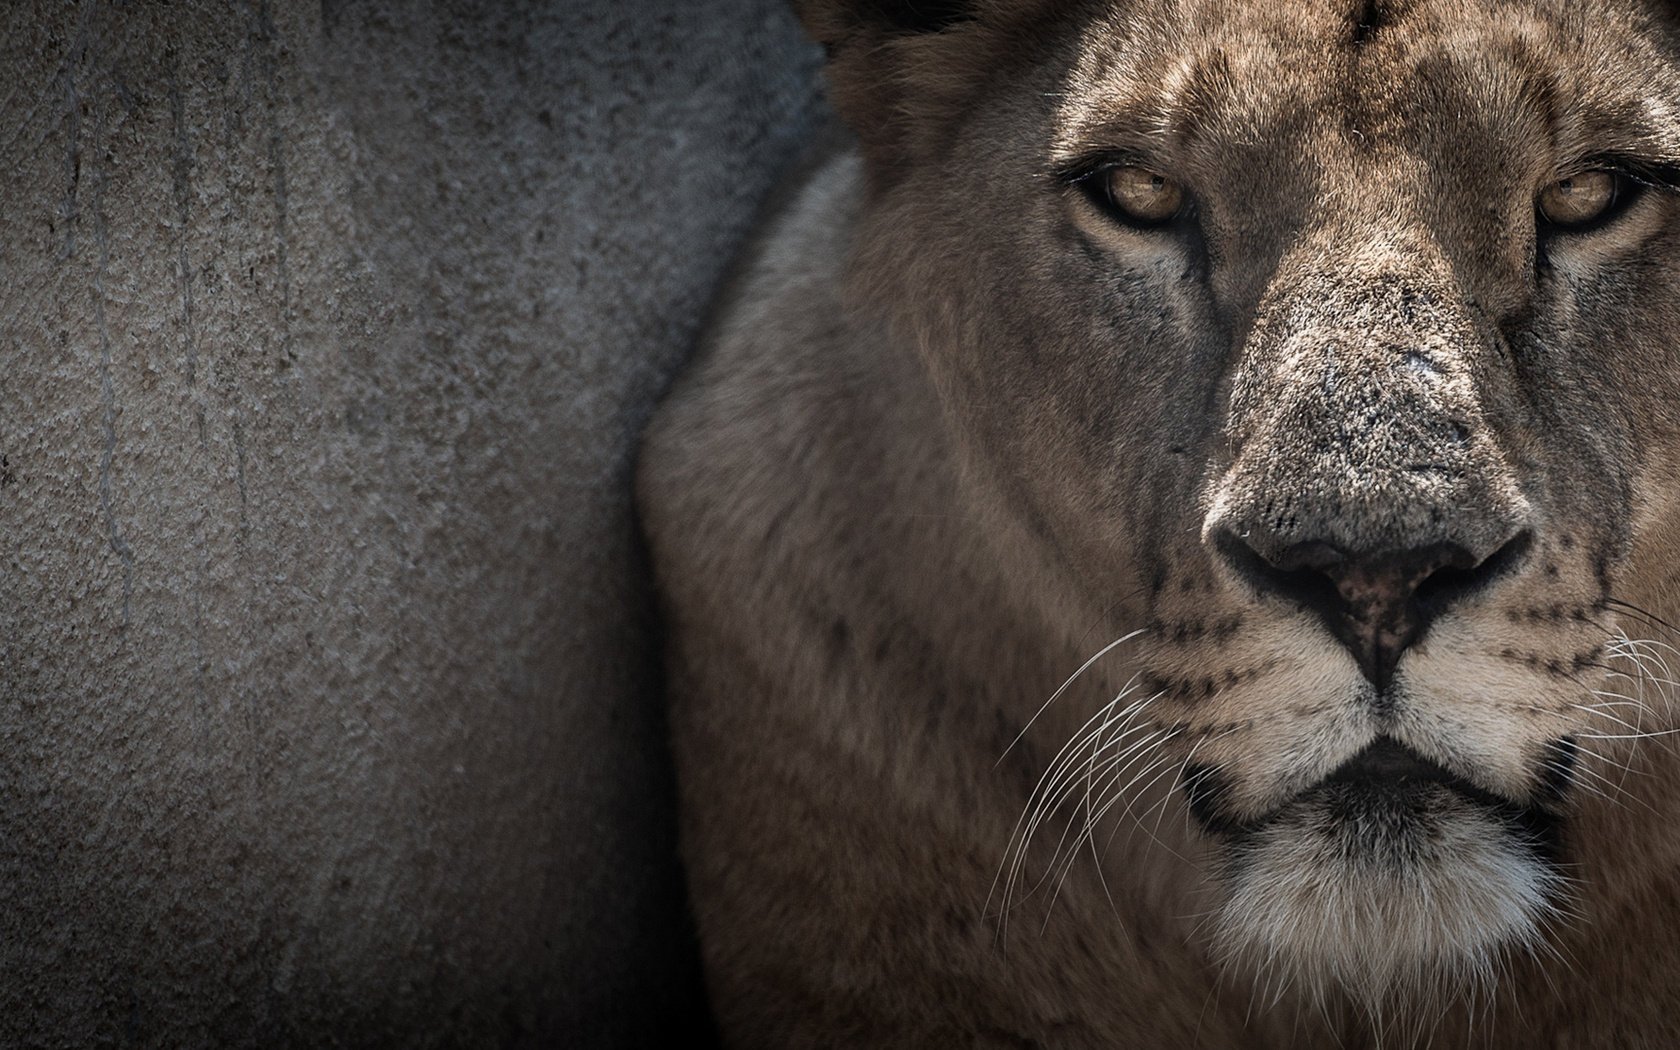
x=327, y=707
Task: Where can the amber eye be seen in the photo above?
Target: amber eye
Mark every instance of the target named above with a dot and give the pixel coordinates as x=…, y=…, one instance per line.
x=1581, y=200
x=1140, y=196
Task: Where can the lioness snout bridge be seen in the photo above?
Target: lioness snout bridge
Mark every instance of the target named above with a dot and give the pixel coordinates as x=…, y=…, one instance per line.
x=1370, y=484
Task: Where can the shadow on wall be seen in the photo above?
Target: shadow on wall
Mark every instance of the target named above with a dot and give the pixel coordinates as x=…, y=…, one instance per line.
x=327, y=705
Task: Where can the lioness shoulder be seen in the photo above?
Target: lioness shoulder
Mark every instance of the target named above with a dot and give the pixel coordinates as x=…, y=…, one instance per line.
x=1171, y=538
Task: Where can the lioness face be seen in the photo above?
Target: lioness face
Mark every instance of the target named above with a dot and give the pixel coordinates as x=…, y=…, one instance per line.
x=1337, y=344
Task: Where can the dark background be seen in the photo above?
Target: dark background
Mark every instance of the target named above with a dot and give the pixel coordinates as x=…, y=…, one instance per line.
x=328, y=702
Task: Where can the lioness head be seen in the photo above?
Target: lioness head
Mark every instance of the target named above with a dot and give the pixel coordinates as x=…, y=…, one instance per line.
x=1336, y=345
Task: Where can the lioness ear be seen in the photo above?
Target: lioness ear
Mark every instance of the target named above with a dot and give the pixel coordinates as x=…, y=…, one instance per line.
x=833, y=22
x=900, y=70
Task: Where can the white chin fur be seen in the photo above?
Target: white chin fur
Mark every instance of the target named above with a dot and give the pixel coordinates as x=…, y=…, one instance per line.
x=1322, y=904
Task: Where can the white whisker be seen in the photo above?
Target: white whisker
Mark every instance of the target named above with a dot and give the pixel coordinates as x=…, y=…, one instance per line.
x=1086, y=666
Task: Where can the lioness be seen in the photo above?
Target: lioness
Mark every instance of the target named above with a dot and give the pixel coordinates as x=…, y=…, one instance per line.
x=1172, y=539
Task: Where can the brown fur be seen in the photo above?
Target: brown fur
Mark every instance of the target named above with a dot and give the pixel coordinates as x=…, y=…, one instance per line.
x=956, y=430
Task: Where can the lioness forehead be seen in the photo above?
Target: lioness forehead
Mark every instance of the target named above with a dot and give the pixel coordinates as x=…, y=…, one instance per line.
x=1212, y=83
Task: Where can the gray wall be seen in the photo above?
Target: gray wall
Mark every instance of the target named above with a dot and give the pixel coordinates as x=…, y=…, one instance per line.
x=327, y=701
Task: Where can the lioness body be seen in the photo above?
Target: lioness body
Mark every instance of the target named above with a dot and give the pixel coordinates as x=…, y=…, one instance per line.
x=878, y=558
x=840, y=885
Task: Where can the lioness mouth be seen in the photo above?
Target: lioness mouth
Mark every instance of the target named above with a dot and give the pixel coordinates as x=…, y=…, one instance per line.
x=1384, y=796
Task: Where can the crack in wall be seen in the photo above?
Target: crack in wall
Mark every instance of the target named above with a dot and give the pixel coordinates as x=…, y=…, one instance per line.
x=70, y=212
x=182, y=178
x=108, y=398
x=69, y=209
x=268, y=69
x=238, y=425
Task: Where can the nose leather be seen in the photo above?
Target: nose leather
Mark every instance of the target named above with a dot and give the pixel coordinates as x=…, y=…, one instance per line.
x=1380, y=604
x=1375, y=609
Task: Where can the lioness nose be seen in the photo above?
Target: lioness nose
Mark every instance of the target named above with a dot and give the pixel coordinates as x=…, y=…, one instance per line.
x=1376, y=604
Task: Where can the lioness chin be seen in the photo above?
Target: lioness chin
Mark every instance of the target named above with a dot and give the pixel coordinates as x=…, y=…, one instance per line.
x=1171, y=539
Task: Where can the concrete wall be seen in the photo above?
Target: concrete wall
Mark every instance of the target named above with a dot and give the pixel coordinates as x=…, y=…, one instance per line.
x=327, y=702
